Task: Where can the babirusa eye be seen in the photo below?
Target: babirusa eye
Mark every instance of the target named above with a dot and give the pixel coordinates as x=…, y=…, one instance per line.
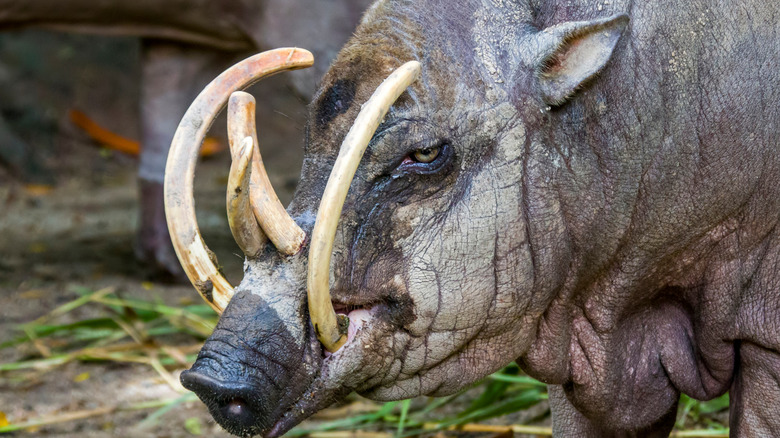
x=426, y=155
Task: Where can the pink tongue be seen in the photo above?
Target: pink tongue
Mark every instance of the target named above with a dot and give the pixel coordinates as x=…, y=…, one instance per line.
x=357, y=319
x=357, y=322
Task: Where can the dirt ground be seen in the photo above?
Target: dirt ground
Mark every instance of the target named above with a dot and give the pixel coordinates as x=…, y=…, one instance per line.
x=79, y=232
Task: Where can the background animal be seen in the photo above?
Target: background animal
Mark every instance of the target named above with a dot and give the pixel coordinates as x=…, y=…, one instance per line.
x=590, y=189
x=184, y=43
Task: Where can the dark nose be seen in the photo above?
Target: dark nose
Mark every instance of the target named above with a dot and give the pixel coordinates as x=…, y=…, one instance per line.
x=235, y=406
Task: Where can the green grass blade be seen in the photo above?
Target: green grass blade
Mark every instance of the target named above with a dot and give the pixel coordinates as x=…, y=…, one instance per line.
x=523, y=380
x=155, y=416
x=402, y=421
x=523, y=401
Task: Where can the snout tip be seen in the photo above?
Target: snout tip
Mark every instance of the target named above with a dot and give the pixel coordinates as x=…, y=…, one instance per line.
x=231, y=404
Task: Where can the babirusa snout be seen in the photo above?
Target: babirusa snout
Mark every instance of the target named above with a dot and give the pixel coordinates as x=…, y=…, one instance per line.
x=197, y=260
x=326, y=325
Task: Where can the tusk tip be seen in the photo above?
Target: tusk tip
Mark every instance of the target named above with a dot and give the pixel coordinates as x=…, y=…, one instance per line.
x=240, y=97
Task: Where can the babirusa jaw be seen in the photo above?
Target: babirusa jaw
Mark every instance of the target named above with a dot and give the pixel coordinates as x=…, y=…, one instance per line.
x=331, y=334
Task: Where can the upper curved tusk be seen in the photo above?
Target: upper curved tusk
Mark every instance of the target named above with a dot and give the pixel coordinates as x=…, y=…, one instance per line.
x=242, y=222
x=197, y=260
x=274, y=220
x=329, y=331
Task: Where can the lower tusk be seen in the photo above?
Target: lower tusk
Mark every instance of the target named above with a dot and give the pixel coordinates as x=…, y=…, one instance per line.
x=274, y=220
x=196, y=259
x=330, y=331
x=242, y=222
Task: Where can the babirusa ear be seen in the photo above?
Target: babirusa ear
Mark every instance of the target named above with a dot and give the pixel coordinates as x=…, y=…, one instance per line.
x=573, y=52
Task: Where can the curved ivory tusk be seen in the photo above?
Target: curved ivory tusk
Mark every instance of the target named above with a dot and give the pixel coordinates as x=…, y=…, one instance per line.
x=330, y=331
x=274, y=220
x=242, y=222
x=197, y=260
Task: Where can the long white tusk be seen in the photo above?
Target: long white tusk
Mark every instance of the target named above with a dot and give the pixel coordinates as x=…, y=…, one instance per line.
x=197, y=260
x=274, y=220
x=329, y=331
x=242, y=222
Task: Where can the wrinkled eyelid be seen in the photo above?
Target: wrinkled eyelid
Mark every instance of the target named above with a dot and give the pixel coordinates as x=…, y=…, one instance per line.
x=439, y=144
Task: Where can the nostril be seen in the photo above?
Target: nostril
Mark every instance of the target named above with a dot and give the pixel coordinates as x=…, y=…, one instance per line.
x=238, y=412
x=227, y=401
x=236, y=407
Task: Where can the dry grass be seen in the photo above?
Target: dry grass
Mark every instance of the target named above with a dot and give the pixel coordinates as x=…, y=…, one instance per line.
x=167, y=338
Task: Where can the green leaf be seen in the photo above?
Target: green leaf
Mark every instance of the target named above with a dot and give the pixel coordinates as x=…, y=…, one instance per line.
x=193, y=426
x=714, y=405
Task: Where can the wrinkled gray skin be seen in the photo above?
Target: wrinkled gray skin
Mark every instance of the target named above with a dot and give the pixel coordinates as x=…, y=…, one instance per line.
x=615, y=233
x=187, y=43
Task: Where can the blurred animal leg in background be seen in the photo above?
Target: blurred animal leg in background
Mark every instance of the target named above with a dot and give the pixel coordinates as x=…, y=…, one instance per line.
x=20, y=158
x=170, y=78
x=24, y=135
